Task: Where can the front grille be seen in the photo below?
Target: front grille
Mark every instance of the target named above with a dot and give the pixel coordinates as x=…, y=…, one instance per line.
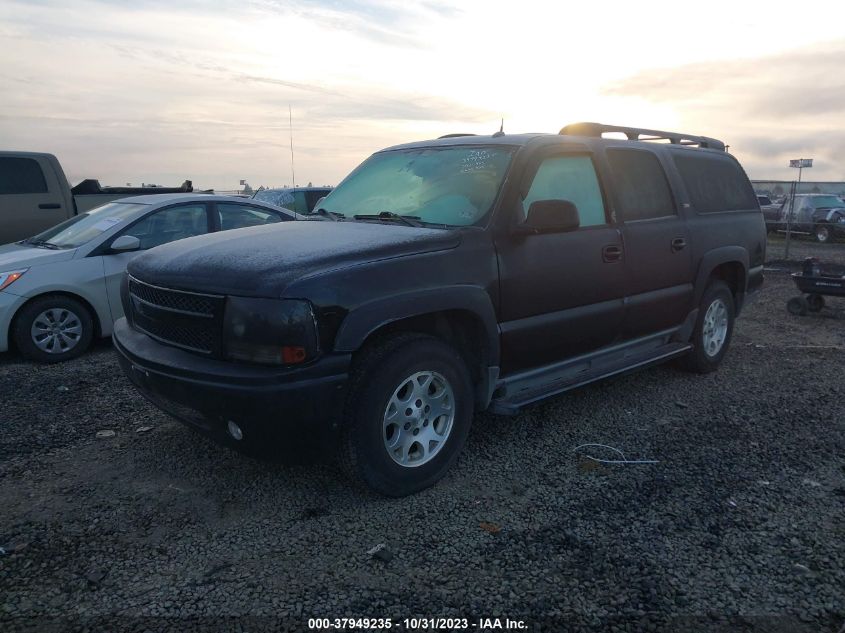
x=189, y=320
x=173, y=299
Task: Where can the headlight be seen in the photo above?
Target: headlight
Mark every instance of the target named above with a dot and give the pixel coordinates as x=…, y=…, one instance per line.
x=269, y=331
x=10, y=277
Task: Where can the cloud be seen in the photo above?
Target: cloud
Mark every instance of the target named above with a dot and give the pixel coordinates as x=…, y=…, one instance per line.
x=768, y=108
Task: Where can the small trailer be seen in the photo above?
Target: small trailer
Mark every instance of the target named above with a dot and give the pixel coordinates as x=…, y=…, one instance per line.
x=815, y=286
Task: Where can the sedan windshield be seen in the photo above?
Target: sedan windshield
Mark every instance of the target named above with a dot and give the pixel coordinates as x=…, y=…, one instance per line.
x=824, y=202
x=85, y=227
x=453, y=186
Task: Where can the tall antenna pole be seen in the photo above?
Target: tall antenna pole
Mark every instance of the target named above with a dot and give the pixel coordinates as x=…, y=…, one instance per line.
x=292, y=172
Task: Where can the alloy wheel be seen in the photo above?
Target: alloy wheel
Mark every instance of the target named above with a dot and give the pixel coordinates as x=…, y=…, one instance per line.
x=715, y=328
x=418, y=418
x=56, y=331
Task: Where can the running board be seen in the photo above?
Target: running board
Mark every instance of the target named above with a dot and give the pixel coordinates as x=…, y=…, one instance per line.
x=516, y=392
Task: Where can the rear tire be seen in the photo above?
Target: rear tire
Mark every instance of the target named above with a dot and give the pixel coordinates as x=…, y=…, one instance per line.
x=822, y=233
x=797, y=306
x=408, y=413
x=53, y=328
x=713, y=329
x=815, y=303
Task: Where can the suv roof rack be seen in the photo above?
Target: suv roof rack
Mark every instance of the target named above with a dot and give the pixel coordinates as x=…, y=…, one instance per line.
x=456, y=135
x=642, y=134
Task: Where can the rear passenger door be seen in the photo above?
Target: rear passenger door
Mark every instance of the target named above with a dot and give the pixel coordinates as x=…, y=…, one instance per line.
x=659, y=288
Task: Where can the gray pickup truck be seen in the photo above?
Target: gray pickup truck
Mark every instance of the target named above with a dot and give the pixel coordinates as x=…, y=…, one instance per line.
x=35, y=194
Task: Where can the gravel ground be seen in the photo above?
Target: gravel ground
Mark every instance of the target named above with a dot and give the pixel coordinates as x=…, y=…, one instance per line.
x=739, y=527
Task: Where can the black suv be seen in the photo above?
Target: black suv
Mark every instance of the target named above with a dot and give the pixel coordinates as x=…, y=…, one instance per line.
x=460, y=274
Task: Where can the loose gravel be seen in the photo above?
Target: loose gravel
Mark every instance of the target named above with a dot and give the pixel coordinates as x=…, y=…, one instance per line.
x=738, y=527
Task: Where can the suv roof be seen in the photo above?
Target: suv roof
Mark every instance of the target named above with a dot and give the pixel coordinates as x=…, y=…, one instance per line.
x=588, y=133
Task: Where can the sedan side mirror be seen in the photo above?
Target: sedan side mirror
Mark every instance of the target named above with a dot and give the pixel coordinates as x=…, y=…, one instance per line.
x=125, y=244
x=552, y=216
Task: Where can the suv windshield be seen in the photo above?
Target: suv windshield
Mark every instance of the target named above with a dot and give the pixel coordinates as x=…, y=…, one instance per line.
x=279, y=197
x=822, y=202
x=453, y=186
x=85, y=227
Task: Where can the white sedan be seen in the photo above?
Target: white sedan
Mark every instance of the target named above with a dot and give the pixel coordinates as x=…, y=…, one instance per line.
x=61, y=289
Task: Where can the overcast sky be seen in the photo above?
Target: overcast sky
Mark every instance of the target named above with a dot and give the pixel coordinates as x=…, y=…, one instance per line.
x=158, y=91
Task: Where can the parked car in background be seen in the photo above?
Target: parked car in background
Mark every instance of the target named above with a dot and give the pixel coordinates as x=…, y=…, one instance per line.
x=35, y=194
x=771, y=212
x=299, y=199
x=460, y=274
x=821, y=215
x=61, y=289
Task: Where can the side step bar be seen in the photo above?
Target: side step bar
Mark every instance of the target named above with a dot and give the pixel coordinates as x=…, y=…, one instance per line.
x=525, y=389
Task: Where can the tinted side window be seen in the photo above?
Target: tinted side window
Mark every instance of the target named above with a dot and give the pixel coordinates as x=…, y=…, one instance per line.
x=570, y=178
x=236, y=216
x=299, y=203
x=313, y=195
x=21, y=175
x=640, y=184
x=715, y=183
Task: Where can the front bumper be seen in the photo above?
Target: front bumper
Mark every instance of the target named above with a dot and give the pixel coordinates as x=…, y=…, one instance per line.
x=293, y=414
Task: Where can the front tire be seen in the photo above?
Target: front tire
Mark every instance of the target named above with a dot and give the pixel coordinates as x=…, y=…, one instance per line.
x=53, y=328
x=409, y=411
x=713, y=329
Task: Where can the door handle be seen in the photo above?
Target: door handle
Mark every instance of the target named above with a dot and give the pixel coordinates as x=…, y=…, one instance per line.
x=678, y=244
x=49, y=205
x=611, y=253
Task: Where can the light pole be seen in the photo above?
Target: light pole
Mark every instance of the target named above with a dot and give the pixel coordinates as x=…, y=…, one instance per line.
x=800, y=164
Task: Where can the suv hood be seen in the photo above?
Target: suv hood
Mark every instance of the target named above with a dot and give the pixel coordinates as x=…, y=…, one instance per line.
x=263, y=261
x=14, y=256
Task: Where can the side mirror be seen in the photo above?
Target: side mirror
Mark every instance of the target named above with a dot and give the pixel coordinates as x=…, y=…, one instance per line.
x=125, y=244
x=552, y=216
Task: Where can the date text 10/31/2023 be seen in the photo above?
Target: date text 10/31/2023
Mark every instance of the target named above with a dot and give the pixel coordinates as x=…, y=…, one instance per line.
x=417, y=624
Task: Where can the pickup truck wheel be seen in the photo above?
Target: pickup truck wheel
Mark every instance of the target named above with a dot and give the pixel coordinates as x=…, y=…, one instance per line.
x=52, y=329
x=713, y=330
x=409, y=410
x=822, y=233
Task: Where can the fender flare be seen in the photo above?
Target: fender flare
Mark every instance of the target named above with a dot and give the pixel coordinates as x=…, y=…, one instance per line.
x=369, y=317
x=717, y=257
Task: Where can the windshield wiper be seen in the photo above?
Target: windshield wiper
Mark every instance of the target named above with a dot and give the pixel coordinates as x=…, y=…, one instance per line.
x=42, y=244
x=334, y=216
x=410, y=220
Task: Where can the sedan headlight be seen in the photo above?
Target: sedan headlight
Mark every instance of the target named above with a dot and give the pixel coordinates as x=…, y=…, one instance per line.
x=269, y=331
x=10, y=276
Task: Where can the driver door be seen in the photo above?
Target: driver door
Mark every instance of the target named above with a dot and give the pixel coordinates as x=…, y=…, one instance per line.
x=157, y=228
x=562, y=294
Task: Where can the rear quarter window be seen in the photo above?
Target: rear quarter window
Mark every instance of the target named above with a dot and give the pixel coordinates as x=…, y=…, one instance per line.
x=715, y=183
x=21, y=175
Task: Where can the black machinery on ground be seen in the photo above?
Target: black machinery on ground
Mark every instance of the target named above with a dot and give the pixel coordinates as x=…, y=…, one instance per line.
x=815, y=284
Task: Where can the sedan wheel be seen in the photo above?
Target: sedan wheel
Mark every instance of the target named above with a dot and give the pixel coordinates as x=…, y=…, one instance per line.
x=53, y=328
x=56, y=331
